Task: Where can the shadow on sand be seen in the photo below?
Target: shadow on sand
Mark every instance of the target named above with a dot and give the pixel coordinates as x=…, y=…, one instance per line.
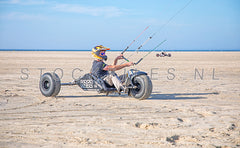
x=93, y=96
x=154, y=96
x=179, y=96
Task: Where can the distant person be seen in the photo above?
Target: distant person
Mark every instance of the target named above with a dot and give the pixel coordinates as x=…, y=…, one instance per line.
x=107, y=72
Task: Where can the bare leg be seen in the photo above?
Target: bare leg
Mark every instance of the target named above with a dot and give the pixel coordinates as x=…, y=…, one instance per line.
x=113, y=79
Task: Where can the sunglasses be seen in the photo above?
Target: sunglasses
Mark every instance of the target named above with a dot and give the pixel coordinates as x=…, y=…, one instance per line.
x=102, y=53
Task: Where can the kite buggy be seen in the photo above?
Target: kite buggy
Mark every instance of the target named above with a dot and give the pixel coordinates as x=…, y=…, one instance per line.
x=135, y=83
x=163, y=54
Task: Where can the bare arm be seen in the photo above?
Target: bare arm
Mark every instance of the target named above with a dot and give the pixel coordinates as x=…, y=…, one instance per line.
x=117, y=58
x=117, y=67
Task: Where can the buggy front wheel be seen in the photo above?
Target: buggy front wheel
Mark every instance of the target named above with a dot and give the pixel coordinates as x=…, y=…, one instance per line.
x=144, y=87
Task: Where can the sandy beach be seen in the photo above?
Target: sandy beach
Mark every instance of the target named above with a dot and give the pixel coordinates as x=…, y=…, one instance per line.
x=195, y=103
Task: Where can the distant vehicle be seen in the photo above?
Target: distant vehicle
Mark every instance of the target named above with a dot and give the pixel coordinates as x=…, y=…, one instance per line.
x=163, y=54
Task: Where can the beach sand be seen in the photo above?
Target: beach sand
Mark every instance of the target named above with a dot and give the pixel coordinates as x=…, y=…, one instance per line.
x=195, y=103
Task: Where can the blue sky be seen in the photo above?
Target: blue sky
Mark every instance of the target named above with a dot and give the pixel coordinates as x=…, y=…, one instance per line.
x=82, y=24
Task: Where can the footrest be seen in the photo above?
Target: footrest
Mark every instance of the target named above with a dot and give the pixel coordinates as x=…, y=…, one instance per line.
x=111, y=89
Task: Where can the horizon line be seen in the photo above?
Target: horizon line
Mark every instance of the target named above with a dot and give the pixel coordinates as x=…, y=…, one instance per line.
x=169, y=50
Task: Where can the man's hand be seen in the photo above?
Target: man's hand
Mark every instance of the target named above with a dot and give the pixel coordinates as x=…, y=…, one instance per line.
x=119, y=57
x=130, y=63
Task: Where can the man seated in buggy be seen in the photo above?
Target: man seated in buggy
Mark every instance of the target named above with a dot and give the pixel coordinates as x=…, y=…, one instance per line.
x=107, y=72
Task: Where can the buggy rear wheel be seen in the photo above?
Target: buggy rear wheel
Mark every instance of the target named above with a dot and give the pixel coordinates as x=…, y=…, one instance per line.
x=144, y=87
x=50, y=84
